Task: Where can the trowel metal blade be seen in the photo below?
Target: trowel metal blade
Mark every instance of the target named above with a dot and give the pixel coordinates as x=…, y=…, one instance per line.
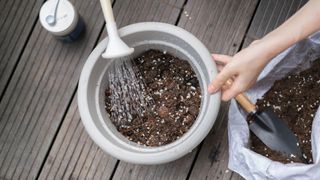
x=274, y=133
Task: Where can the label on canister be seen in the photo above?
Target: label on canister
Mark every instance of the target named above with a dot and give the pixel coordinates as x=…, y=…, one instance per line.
x=66, y=17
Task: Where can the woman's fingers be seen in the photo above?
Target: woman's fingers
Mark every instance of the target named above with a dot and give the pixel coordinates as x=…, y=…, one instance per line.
x=220, y=67
x=232, y=91
x=229, y=93
x=220, y=79
x=220, y=58
x=239, y=85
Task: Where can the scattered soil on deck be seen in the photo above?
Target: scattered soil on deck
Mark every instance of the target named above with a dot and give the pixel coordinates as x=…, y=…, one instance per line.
x=295, y=99
x=175, y=90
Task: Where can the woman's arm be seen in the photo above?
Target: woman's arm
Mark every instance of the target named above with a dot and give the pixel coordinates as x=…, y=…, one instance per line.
x=246, y=65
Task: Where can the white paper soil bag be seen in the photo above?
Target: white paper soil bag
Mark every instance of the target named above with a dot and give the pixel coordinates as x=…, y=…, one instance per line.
x=252, y=165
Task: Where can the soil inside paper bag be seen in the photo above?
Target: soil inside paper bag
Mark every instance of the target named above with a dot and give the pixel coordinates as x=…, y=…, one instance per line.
x=295, y=99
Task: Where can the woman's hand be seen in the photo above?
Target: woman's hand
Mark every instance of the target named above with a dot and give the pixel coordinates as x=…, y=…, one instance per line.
x=244, y=68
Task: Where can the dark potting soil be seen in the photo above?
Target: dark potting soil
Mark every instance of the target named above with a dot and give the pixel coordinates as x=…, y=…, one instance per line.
x=175, y=90
x=295, y=99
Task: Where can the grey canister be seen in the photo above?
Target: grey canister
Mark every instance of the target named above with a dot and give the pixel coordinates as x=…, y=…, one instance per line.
x=68, y=24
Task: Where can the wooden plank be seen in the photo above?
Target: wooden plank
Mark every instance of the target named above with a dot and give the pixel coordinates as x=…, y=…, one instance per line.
x=220, y=24
x=176, y=170
x=16, y=22
x=39, y=93
x=73, y=154
x=128, y=12
x=269, y=15
x=213, y=158
x=236, y=176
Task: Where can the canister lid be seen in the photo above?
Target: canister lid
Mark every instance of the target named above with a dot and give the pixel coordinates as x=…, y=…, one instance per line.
x=66, y=17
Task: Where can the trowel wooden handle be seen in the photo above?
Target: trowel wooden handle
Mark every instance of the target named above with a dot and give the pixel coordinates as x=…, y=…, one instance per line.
x=243, y=100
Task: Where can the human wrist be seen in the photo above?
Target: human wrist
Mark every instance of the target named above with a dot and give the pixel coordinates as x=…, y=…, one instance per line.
x=260, y=52
x=279, y=40
x=270, y=46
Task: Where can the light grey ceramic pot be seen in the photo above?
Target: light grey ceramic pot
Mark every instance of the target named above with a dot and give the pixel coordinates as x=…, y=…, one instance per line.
x=93, y=81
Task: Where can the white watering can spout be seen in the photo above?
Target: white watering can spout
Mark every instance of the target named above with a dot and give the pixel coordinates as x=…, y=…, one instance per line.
x=116, y=48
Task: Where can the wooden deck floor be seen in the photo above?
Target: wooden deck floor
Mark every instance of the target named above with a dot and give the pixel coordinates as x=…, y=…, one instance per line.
x=41, y=136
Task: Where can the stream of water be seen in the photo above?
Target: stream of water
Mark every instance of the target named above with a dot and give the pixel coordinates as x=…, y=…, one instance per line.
x=129, y=97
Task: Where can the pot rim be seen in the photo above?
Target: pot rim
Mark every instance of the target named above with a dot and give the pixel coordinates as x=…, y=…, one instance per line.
x=161, y=154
